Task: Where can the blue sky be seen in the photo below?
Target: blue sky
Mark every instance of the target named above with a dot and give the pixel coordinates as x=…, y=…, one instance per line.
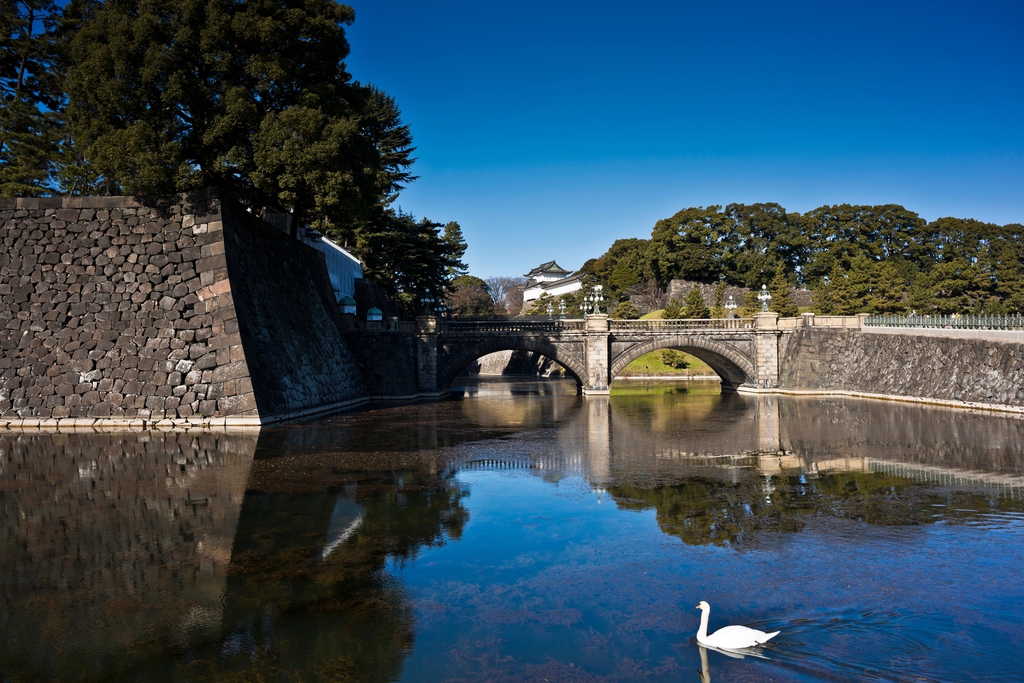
x=550, y=129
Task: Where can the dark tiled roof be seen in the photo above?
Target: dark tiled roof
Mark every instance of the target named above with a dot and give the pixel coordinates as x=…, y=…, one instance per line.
x=549, y=268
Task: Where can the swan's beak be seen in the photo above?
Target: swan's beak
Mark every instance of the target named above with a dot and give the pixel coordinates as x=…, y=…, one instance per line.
x=697, y=607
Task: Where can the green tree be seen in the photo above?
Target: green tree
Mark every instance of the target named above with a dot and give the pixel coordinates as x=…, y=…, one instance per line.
x=718, y=307
x=751, y=304
x=856, y=286
x=837, y=234
x=955, y=287
x=695, y=306
x=675, y=359
x=782, y=301
x=539, y=306
x=625, y=311
x=764, y=237
x=253, y=97
x=823, y=297
x=887, y=292
x=692, y=244
x=410, y=258
x=920, y=296
x=673, y=310
x=30, y=96
x=1006, y=263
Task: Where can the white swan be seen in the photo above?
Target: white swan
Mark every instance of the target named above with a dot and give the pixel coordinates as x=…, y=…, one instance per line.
x=730, y=637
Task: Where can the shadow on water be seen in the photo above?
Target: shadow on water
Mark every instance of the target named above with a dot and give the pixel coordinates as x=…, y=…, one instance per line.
x=350, y=548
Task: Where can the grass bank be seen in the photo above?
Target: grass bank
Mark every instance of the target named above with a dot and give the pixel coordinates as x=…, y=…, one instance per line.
x=652, y=365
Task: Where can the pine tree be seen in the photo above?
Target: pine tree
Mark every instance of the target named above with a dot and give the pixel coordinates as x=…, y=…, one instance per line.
x=921, y=296
x=673, y=310
x=718, y=308
x=625, y=311
x=824, y=298
x=695, y=306
x=782, y=301
x=540, y=305
x=751, y=304
x=29, y=96
x=857, y=286
x=887, y=292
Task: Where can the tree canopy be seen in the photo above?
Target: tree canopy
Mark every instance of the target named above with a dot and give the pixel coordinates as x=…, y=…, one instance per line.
x=151, y=97
x=855, y=259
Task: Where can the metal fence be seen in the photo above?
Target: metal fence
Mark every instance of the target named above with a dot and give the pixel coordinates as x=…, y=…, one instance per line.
x=475, y=326
x=685, y=324
x=955, y=321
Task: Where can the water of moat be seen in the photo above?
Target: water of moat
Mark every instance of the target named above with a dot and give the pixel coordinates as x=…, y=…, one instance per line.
x=522, y=533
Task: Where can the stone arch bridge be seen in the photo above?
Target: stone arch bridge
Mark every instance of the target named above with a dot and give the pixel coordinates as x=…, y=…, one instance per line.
x=743, y=351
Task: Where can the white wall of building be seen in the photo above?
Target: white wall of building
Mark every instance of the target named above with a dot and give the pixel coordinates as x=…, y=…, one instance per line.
x=342, y=266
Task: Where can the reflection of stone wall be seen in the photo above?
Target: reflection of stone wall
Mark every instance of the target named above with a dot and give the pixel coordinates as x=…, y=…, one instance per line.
x=969, y=370
x=111, y=541
x=923, y=435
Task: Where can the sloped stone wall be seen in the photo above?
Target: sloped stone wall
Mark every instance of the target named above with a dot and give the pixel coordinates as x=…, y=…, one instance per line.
x=948, y=369
x=290, y=326
x=115, y=309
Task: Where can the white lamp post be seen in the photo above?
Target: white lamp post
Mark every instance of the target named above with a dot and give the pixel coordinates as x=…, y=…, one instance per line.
x=594, y=299
x=730, y=306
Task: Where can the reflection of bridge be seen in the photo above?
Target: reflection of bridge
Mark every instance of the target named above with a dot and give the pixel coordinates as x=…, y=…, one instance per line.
x=743, y=351
x=762, y=443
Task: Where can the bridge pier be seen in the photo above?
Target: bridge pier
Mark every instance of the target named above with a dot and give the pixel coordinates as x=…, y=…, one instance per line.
x=597, y=356
x=766, y=345
x=426, y=353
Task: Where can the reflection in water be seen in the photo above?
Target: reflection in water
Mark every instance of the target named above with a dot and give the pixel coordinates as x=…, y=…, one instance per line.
x=308, y=591
x=885, y=540
x=114, y=548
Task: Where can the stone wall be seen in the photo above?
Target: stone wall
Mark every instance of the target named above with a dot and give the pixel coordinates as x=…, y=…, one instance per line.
x=112, y=308
x=387, y=362
x=288, y=322
x=115, y=308
x=947, y=369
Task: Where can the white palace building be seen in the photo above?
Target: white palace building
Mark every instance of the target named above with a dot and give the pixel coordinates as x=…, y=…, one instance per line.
x=550, y=278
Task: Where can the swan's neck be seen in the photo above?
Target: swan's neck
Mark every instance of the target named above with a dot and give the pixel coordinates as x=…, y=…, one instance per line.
x=702, y=632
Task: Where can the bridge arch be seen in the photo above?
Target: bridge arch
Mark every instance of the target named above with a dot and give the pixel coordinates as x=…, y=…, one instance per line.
x=732, y=366
x=455, y=363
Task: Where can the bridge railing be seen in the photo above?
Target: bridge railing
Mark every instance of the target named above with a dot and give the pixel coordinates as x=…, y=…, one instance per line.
x=686, y=324
x=538, y=326
x=962, y=322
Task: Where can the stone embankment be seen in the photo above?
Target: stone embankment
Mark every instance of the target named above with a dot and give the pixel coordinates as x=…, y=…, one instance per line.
x=971, y=372
x=183, y=311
